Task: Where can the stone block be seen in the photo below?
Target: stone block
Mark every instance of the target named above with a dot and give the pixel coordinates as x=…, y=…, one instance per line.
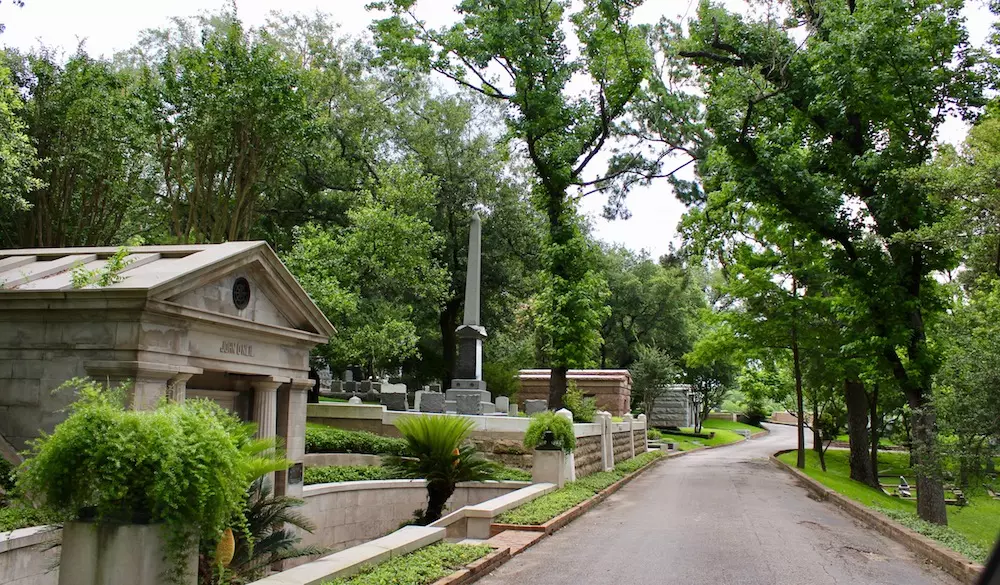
x=468, y=403
x=431, y=401
x=502, y=404
x=394, y=401
x=512, y=409
x=20, y=392
x=549, y=466
x=535, y=406
x=434, y=387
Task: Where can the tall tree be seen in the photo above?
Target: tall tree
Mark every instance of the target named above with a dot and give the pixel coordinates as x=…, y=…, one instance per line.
x=516, y=52
x=17, y=157
x=825, y=130
x=89, y=124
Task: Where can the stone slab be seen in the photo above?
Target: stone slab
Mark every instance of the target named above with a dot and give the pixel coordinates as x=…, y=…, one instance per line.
x=431, y=401
x=535, y=406
x=394, y=401
x=468, y=403
x=502, y=404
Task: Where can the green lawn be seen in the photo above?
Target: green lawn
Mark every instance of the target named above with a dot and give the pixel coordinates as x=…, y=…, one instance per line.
x=421, y=567
x=978, y=523
x=683, y=443
x=883, y=441
x=729, y=425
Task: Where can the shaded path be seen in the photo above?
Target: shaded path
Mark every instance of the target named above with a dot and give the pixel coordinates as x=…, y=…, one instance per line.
x=720, y=516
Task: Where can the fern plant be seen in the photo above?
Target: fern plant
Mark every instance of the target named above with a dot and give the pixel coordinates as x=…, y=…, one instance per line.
x=561, y=428
x=438, y=454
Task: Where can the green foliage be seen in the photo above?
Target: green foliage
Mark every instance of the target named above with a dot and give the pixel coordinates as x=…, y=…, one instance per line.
x=20, y=514
x=504, y=473
x=17, y=155
x=561, y=428
x=107, y=275
x=337, y=473
x=542, y=509
x=584, y=408
x=269, y=533
x=651, y=374
x=653, y=435
x=8, y=476
x=437, y=453
x=184, y=465
x=324, y=439
x=421, y=567
x=946, y=536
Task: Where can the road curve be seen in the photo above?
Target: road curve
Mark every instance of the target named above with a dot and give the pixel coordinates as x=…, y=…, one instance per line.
x=719, y=516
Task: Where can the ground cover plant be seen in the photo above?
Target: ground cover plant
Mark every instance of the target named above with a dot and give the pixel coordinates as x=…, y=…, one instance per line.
x=421, y=567
x=972, y=530
x=547, y=507
x=324, y=439
x=338, y=473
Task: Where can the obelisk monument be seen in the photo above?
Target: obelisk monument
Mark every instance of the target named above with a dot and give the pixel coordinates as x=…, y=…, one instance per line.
x=469, y=369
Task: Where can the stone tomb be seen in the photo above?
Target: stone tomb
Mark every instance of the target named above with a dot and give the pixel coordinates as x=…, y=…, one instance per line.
x=535, y=406
x=226, y=322
x=611, y=388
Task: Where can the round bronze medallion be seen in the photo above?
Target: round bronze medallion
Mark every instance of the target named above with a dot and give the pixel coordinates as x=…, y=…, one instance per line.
x=241, y=293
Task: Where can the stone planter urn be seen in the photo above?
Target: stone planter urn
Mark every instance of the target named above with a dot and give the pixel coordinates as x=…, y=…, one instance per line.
x=119, y=554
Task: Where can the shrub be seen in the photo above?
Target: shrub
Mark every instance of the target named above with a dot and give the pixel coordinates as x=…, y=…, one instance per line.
x=22, y=515
x=504, y=473
x=584, y=408
x=550, y=421
x=336, y=473
x=654, y=435
x=187, y=466
x=324, y=439
x=756, y=411
x=421, y=567
x=946, y=536
x=438, y=455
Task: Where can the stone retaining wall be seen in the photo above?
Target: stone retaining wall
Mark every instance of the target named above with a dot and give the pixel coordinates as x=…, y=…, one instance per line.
x=351, y=513
x=587, y=455
x=30, y=556
x=622, y=449
x=639, y=436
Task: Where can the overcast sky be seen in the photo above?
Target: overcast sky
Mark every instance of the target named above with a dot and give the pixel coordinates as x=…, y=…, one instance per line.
x=108, y=26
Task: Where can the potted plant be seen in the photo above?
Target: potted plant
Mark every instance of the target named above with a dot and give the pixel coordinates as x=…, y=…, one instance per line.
x=137, y=490
x=551, y=436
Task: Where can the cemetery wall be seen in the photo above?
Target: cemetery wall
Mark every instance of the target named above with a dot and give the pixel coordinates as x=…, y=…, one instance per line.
x=622, y=448
x=350, y=513
x=587, y=456
x=30, y=556
x=639, y=437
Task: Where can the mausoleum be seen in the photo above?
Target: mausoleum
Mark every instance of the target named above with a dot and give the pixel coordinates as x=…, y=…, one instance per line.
x=226, y=322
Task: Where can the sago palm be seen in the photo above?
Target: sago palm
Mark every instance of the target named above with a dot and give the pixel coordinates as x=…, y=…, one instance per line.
x=438, y=455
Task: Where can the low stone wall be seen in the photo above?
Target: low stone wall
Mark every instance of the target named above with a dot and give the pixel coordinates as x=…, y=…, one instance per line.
x=30, y=556
x=622, y=449
x=509, y=452
x=351, y=513
x=639, y=436
x=587, y=456
x=341, y=459
x=730, y=416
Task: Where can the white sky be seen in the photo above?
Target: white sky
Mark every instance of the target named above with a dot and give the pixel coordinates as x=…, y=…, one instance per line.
x=108, y=26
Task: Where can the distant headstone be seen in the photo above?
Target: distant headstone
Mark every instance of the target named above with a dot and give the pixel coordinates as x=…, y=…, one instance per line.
x=350, y=386
x=365, y=386
x=535, y=406
x=348, y=376
x=512, y=409
x=431, y=402
x=336, y=386
x=502, y=403
x=469, y=403
x=434, y=387
x=354, y=400
x=393, y=388
x=394, y=401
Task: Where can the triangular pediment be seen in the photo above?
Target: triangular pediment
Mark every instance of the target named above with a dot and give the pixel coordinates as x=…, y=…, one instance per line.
x=238, y=294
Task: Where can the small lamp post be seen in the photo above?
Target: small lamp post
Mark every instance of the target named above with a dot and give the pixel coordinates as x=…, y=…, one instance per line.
x=697, y=398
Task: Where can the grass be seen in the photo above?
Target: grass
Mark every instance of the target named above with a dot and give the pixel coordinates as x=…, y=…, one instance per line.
x=683, y=443
x=883, y=441
x=541, y=510
x=728, y=425
x=339, y=473
x=972, y=530
x=421, y=567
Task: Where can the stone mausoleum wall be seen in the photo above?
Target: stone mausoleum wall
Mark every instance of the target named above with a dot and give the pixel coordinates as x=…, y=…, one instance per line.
x=673, y=408
x=611, y=388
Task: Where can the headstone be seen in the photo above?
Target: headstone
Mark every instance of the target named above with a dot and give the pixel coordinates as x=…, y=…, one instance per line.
x=336, y=386
x=434, y=387
x=502, y=404
x=365, y=386
x=535, y=406
x=512, y=409
x=350, y=386
x=354, y=400
x=393, y=388
x=468, y=403
x=394, y=401
x=431, y=402
x=348, y=376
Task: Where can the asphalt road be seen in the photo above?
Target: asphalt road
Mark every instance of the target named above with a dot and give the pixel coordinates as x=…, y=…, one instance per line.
x=720, y=516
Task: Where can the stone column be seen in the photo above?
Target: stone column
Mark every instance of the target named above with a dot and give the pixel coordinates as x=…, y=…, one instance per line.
x=291, y=431
x=641, y=421
x=265, y=410
x=607, y=441
x=627, y=419
x=148, y=381
x=177, y=387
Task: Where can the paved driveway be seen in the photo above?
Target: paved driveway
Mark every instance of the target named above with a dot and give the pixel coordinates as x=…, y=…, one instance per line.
x=721, y=516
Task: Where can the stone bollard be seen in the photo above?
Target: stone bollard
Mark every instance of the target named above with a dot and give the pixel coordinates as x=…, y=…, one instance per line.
x=549, y=466
x=607, y=442
x=641, y=420
x=570, y=459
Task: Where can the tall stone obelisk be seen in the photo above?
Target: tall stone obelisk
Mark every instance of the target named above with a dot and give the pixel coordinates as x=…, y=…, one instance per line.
x=469, y=369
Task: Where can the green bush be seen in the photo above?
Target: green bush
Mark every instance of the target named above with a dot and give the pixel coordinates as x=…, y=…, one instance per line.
x=654, y=435
x=584, y=408
x=7, y=476
x=550, y=421
x=421, y=567
x=324, y=439
x=337, y=473
x=187, y=466
x=547, y=507
x=21, y=515
x=504, y=473
x=943, y=534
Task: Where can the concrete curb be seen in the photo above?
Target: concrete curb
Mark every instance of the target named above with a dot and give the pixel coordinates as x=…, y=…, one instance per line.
x=950, y=561
x=576, y=511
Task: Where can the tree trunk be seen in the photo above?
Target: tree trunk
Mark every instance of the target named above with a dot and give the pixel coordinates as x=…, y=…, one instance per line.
x=930, y=490
x=557, y=387
x=437, y=497
x=873, y=417
x=448, y=321
x=800, y=458
x=817, y=436
x=857, y=431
